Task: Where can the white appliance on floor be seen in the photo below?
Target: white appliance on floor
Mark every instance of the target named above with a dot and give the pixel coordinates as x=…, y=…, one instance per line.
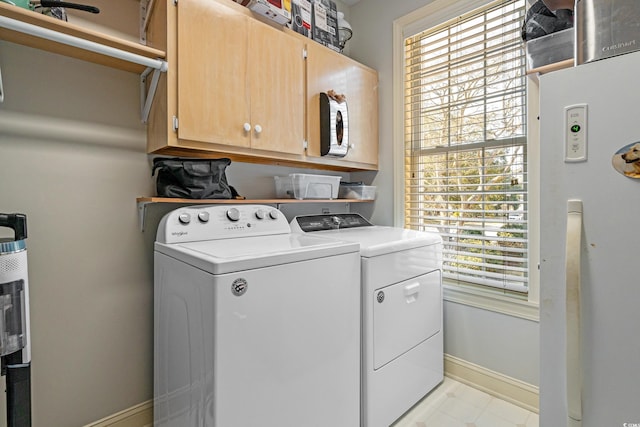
x=590, y=205
x=402, y=357
x=253, y=325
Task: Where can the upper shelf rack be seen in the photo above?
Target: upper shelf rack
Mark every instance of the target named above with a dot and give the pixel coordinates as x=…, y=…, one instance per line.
x=36, y=30
x=39, y=31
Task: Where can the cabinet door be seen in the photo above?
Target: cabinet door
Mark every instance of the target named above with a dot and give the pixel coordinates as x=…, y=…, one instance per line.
x=276, y=79
x=213, y=94
x=362, y=90
x=328, y=70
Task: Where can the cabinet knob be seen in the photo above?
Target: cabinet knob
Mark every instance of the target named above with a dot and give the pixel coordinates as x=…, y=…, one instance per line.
x=258, y=128
x=247, y=127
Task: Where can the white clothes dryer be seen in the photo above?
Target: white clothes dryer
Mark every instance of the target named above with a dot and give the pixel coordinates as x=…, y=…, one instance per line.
x=402, y=357
x=253, y=325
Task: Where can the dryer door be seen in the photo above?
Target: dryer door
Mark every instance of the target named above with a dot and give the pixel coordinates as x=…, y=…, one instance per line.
x=404, y=315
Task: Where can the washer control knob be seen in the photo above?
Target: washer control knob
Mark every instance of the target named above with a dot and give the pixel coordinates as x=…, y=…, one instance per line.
x=184, y=218
x=273, y=214
x=260, y=214
x=203, y=216
x=233, y=214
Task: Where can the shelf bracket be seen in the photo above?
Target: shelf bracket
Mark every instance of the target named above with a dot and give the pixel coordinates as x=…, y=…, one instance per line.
x=146, y=10
x=147, y=99
x=142, y=211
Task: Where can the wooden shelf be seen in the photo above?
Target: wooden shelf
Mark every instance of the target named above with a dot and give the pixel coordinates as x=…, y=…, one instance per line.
x=15, y=15
x=245, y=201
x=144, y=201
x=567, y=63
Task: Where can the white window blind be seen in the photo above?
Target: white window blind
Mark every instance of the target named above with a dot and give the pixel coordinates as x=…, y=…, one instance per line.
x=465, y=144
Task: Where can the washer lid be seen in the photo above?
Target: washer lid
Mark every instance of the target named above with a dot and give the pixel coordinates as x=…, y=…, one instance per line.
x=379, y=240
x=229, y=255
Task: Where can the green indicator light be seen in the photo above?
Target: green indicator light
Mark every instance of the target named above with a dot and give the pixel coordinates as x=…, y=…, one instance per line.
x=575, y=128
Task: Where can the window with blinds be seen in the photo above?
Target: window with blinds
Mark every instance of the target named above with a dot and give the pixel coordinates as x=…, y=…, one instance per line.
x=465, y=144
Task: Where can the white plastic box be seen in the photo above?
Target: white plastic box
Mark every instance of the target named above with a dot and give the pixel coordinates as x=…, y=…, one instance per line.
x=360, y=192
x=277, y=10
x=304, y=186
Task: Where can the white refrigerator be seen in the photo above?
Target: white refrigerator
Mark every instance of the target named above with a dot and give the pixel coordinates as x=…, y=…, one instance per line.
x=590, y=245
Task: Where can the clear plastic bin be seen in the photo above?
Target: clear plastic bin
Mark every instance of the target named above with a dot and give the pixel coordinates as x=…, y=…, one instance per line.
x=304, y=186
x=361, y=192
x=307, y=186
x=284, y=187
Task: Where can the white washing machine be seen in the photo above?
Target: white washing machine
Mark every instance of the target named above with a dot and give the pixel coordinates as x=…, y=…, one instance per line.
x=253, y=325
x=402, y=311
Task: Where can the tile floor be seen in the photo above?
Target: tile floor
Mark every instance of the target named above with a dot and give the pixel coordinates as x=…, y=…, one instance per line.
x=453, y=404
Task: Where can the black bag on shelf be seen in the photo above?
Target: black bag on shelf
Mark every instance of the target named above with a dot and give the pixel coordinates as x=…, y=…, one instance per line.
x=192, y=178
x=540, y=21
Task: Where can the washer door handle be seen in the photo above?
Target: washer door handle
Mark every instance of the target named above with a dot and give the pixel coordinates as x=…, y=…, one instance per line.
x=411, y=292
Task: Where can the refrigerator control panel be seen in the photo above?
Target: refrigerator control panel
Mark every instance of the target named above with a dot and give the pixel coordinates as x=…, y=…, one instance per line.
x=575, y=133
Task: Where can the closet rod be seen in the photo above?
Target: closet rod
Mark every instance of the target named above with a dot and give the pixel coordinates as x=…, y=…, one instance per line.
x=45, y=33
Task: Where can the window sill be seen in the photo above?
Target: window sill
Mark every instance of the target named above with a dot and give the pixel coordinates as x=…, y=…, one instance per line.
x=487, y=300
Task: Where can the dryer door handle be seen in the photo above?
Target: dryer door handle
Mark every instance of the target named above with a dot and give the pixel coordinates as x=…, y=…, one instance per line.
x=411, y=292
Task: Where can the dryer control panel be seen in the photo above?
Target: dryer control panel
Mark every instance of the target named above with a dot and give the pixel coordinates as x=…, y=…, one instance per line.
x=309, y=223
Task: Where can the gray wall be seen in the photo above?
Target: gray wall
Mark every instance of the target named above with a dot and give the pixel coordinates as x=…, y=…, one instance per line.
x=73, y=160
x=501, y=343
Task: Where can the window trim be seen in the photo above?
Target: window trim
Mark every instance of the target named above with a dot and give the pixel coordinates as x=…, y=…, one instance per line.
x=431, y=15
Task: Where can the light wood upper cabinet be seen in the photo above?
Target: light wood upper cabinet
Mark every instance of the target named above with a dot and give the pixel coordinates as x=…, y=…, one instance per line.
x=239, y=80
x=212, y=70
x=328, y=70
x=240, y=87
x=363, y=116
x=277, y=89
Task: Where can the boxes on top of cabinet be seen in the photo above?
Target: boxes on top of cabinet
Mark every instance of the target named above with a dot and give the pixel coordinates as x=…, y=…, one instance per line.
x=277, y=10
x=325, y=23
x=301, y=20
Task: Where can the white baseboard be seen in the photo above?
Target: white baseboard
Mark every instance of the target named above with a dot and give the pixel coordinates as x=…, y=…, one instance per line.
x=137, y=416
x=491, y=382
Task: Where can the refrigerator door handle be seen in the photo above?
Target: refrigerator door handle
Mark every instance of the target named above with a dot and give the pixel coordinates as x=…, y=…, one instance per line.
x=573, y=345
x=1, y=89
